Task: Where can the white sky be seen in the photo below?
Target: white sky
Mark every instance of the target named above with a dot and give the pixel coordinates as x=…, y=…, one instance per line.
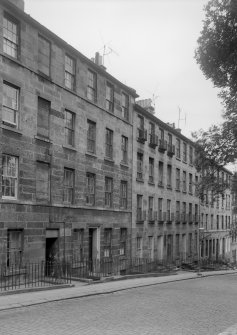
x=154, y=43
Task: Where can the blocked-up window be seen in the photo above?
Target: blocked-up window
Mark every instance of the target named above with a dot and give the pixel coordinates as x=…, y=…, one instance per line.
x=10, y=36
x=43, y=117
x=44, y=55
x=42, y=182
x=10, y=106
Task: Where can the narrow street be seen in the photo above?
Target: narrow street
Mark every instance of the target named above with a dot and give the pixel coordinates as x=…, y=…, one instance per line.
x=201, y=306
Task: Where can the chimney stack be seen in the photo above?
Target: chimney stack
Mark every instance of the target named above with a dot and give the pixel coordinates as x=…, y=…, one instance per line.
x=18, y=3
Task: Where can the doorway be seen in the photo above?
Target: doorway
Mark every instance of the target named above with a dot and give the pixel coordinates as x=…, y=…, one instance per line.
x=51, y=249
x=94, y=247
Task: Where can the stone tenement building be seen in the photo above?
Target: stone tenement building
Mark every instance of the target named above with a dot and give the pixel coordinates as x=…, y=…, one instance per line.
x=85, y=173
x=66, y=147
x=169, y=221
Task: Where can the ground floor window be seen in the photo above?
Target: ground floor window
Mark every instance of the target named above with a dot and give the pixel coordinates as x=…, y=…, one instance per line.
x=14, y=247
x=123, y=240
x=78, y=244
x=107, y=242
x=139, y=246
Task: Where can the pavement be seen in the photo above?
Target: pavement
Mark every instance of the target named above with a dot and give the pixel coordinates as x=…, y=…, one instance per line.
x=78, y=289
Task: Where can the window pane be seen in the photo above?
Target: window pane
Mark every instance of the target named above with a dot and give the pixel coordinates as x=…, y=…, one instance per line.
x=10, y=37
x=9, y=176
x=10, y=104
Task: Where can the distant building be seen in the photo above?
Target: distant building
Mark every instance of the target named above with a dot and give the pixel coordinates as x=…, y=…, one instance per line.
x=169, y=220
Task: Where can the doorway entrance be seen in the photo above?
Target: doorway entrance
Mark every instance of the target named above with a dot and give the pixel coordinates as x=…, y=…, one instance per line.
x=94, y=247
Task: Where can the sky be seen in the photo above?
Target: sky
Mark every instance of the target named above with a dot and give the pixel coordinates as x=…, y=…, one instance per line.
x=149, y=45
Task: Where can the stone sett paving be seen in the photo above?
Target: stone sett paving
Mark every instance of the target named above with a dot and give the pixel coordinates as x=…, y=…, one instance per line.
x=202, y=306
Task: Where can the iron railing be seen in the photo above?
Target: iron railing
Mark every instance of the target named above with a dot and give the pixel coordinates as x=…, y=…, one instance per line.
x=41, y=274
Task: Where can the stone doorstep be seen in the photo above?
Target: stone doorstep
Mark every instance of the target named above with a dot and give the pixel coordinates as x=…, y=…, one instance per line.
x=36, y=289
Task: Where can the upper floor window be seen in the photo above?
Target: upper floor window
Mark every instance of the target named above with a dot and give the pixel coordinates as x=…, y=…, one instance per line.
x=43, y=55
x=169, y=139
x=139, y=207
x=9, y=176
x=108, y=191
x=91, y=136
x=184, y=152
x=151, y=129
x=42, y=182
x=162, y=134
x=109, y=97
x=109, y=143
x=124, y=147
x=190, y=188
x=90, y=188
x=123, y=194
x=69, y=128
x=169, y=176
x=160, y=173
x=69, y=72
x=151, y=170
x=191, y=155
x=68, y=186
x=184, y=181
x=178, y=147
x=10, y=36
x=10, y=104
x=140, y=122
x=125, y=106
x=43, y=117
x=139, y=165
x=177, y=179
x=92, y=86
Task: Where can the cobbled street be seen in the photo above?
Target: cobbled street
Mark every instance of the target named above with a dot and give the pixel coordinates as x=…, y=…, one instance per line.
x=200, y=306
